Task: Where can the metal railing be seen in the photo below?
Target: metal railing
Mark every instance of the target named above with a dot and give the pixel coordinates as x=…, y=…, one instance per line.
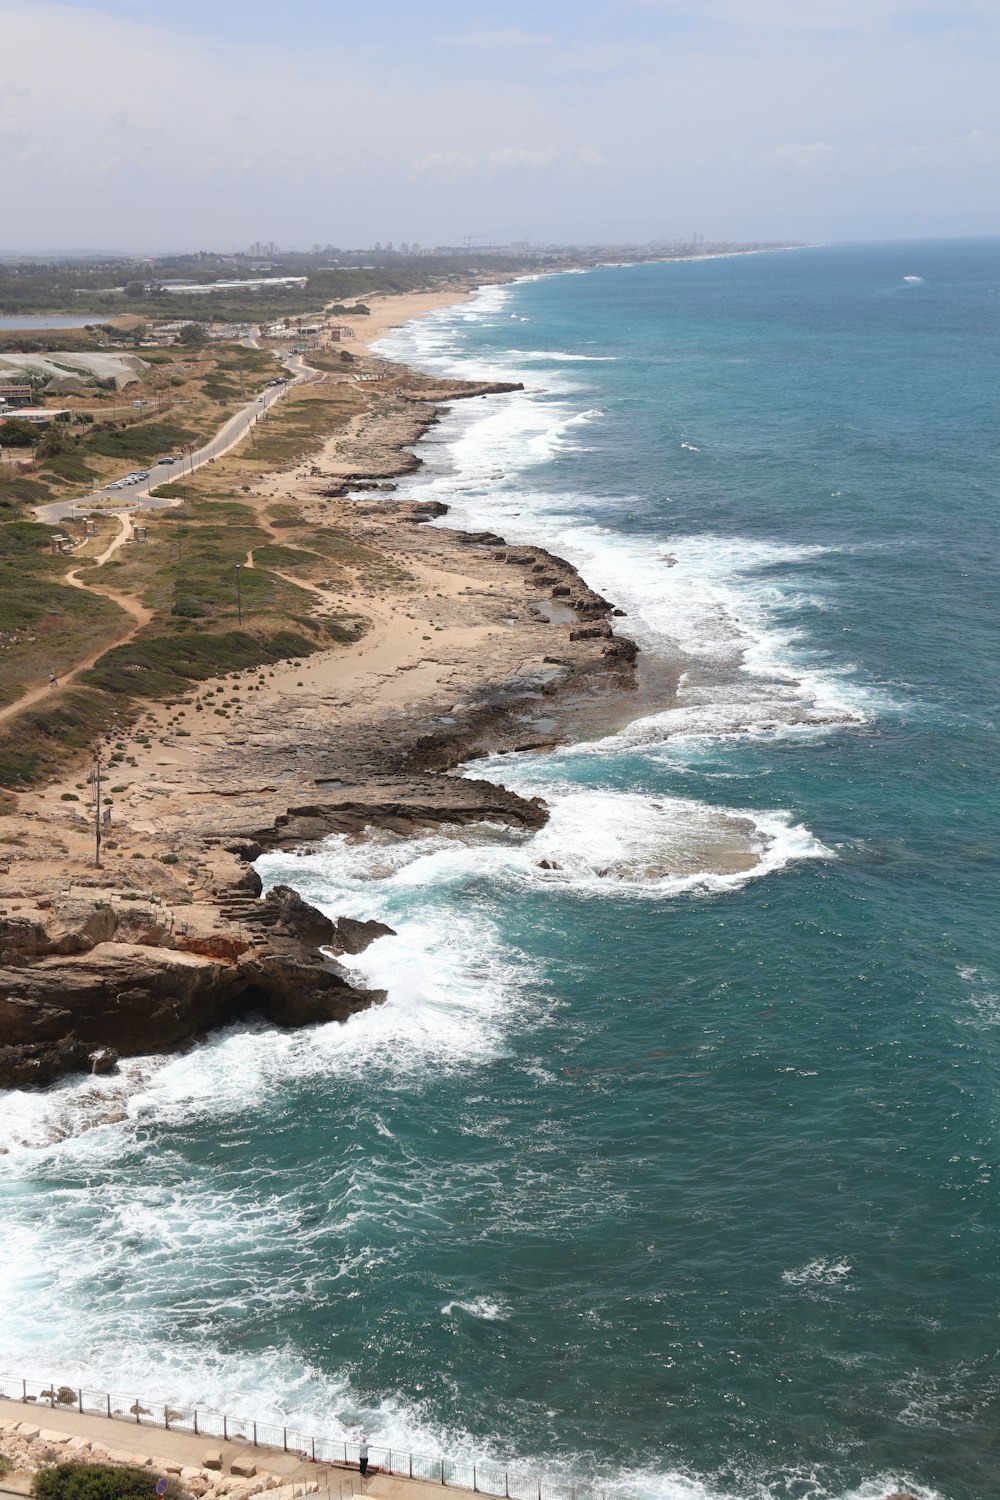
x=484, y=1479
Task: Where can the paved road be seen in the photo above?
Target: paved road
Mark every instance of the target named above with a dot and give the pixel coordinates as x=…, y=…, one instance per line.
x=228, y=435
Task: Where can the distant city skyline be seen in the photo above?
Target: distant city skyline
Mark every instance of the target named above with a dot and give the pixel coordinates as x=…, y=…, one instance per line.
x=141, y=125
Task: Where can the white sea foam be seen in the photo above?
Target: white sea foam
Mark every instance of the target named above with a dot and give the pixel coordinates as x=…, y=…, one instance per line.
x=983, y=993
x=455, y=991
x=595, y=843
x=727, y=602
x=819, y=1273
x=489, y=1309
x=560, y=356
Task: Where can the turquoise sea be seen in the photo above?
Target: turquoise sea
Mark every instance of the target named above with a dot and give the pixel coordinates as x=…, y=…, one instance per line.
x=686, y=1183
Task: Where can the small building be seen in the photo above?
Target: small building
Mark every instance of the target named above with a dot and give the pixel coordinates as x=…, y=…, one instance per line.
x=41, y=416
x=15, y=395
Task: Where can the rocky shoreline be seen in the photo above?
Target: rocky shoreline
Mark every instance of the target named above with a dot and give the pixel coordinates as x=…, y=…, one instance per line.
x=143, y=958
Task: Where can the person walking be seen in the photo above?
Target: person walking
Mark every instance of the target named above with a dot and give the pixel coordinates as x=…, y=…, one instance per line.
x=363, y=1455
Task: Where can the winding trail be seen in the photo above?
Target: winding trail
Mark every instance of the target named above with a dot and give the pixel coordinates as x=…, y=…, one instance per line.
x=137, y=613
x=231, y=433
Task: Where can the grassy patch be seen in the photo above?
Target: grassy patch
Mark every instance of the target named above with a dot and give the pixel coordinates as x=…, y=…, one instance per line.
x=200, y=508
x=157, y=666
x=39, y=739
x=70, y=466
x=273, y=555
x=22, y=491
x=298, y=426
x=45, y=626
x=143, y=442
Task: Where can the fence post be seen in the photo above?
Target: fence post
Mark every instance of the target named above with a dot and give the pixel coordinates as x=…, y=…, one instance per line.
x=314, y=1450
x=24, y=1390
x=225, y=1426
x=255, y=1434
x=79, y=1400
x=411, y=1465
x=52, y=1394
x=138, y=1411
x=284, y=1438
x=108, y=1398
x=442, y=1471
x=474, y=1484
x=506, y=1485
x=195, y=1415
x=166, y=1417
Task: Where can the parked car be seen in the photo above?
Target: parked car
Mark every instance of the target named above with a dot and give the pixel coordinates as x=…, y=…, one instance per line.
x=164, y=460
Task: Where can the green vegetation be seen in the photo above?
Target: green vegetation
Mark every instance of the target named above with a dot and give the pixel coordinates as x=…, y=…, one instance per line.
x=38, y=740
x=275, y=556
x=144, y=442
x=110, y=289
x=212, y=614
x=299, y=428
x=69, y=465
x=18, y=432
x=44, y=626
x=70, y=1481
x=161, y=665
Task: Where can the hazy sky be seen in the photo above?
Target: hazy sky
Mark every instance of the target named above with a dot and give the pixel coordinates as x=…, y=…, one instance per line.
x=211, y=123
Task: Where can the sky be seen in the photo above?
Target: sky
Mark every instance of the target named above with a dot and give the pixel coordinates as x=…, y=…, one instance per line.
x=145, y=125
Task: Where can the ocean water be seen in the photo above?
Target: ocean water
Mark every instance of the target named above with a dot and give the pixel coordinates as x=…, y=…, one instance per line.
x=682, y=1181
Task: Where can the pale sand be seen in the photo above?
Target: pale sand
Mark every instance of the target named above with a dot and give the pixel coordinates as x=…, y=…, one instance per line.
x=392, y=310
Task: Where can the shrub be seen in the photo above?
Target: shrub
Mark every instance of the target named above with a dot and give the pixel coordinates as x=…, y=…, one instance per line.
x=69, y=797
x=69, y=1481
x=17, y=432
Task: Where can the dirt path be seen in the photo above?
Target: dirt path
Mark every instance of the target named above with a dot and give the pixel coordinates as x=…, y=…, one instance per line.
x=137, y=613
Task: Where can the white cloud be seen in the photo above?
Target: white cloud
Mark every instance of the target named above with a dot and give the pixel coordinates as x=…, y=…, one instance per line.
x=978, y=148
x=445, y=166
x=803, y=156
x=201, y=141
x=523, y=159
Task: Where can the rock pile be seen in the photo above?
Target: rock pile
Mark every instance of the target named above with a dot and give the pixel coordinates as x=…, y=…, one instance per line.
x=28, y=1448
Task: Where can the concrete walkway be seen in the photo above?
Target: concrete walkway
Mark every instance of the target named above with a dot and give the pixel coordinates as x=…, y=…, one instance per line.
x=124, y=1435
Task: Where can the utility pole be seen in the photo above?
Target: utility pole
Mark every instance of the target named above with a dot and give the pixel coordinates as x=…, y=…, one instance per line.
x=97, y=809
x=243, y=388
x=239, y=596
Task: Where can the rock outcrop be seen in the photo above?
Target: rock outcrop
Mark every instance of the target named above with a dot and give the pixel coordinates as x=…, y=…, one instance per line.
x=83, y=984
